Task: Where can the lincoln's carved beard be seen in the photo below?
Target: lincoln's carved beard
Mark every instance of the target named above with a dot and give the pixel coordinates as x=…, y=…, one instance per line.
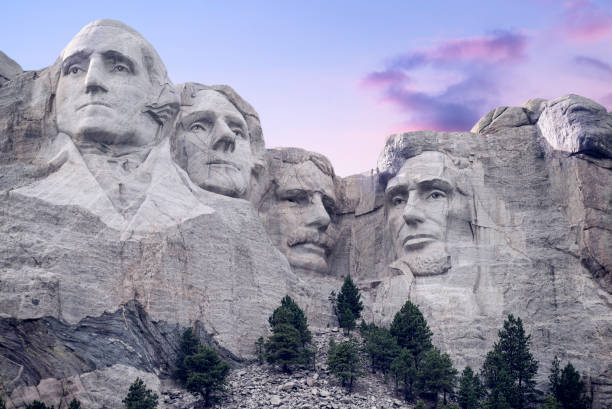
x=429, y=261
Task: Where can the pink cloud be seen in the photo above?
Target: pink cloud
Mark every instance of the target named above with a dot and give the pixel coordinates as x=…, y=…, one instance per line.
x=500, y=46
x=584, y=22
x=477, y=63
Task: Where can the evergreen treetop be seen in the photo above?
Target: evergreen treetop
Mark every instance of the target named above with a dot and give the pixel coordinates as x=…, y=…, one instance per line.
x=437, y=374
x=470, y=390
x=410, y=329
x=290, y=313
x=74, y=404
x=206, y=372
x=139, y=397
x=343, y=361
x=510, y=369
x=571, y=391
x=348, y=304
x=189, y=345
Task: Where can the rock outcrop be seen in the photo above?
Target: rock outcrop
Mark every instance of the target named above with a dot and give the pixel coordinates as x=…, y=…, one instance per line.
x=114, y=239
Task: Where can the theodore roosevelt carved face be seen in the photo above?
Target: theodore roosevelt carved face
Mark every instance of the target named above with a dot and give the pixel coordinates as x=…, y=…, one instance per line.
x=109, y=75
x=297, y=211
x=417, y=200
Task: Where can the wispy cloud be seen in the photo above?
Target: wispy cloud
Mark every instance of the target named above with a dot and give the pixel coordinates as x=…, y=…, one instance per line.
x=583, y=21
x=594, y=65
x=476, y=64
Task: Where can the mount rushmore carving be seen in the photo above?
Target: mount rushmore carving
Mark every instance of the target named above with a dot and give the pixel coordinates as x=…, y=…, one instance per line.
x=133, y=208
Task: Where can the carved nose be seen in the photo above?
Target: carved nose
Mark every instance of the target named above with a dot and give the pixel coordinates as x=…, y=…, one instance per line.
x=318, y=216
x=224, y=139
x=94, y=80
x=413, y=214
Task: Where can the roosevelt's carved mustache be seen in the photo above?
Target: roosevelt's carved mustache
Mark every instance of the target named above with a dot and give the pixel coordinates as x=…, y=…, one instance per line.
x=301, y=236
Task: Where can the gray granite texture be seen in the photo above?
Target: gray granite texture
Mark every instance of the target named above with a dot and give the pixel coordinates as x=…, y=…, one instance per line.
x=128, y=214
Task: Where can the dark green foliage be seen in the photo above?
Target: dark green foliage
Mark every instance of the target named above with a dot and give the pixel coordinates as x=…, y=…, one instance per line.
x=74, y=404
x=420, y=404
x=554, y=379
x=510, y=369
x=284, y=347
x=139, y=397
x=189, y=345
x=38, y=405
x=343, y=361
x=259, y=350
x=571, y=391
x=381, y=348
x=2, y=404
x=290, y=313
x=404, y=372
x=470, y=390
x=411, y=331
x=348, y=305
x=287, y=344
x=551, y=403
x=437, y=374
x=206, y=372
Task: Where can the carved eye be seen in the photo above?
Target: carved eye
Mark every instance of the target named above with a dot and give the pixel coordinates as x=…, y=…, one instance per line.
x=198, y=127
x=298, y=198
x=436, y=195
x=121, y=68
x=238, y=132
x=74, y=69
x=398, y=201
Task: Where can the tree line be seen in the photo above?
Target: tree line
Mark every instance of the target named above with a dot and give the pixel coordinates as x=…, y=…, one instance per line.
x=403, y=353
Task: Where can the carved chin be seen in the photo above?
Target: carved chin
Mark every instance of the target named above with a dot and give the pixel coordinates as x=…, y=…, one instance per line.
x=225, y=180
x=431, y=260
x=312, y=263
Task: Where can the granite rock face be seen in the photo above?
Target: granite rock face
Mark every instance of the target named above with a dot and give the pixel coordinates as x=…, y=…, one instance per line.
x=122, y=228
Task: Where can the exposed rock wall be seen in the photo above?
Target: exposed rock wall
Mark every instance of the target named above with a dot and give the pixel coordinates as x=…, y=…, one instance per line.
x=109, y=250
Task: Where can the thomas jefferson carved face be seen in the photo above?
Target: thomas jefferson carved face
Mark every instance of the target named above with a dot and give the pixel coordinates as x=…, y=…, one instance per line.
x=298, y=216
x=214, y=142
x=417, y=205
x=104, y=87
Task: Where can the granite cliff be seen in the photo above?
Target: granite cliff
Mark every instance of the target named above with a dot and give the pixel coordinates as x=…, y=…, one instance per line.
x=128, y=214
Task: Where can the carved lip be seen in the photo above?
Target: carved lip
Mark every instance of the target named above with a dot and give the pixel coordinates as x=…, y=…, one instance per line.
x=223, y=163
x=417, y=240
x=94, y=103
x=312, y=248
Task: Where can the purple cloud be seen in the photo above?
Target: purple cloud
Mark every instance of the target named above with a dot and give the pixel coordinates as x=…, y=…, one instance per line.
x=594, y=64
x=584, y=21
x=476, y=63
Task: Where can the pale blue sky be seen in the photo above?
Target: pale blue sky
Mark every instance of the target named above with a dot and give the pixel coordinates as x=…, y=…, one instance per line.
x=302, y=64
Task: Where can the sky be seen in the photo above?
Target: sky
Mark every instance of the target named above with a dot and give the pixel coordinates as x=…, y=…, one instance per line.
x=338, y=77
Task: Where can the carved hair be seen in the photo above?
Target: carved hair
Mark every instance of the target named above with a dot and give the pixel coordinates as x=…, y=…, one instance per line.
x=295, y=156
x=188, y=94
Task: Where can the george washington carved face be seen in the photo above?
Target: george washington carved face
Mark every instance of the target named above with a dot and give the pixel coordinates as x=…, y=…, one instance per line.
x=105, y=85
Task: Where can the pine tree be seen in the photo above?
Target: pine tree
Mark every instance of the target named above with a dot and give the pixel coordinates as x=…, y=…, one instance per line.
x=404, y=373
x=189, y=346
x=38, y=405
x=410, y=329
x=259, y=350
x=290, y=313
x=206, y=372
x=139, y=397
x=381, y=347
x=470, y=389
x=551, y=403
x=348, y=305
x=571, y=391
x=437, y=374
x=510, y=368
x=2, y=404
x=343, y=361
x=284, y=347
x=74, y=404
x=554, y=379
